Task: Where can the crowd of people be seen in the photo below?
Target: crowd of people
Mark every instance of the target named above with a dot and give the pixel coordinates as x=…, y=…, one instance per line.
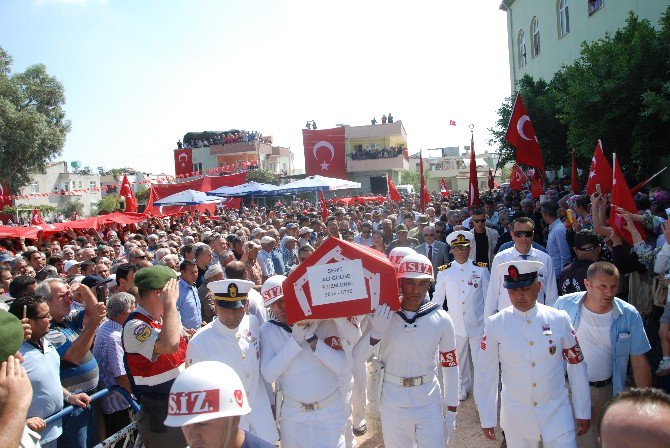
x=510, y=291
x=224, y=138
x=365, y=153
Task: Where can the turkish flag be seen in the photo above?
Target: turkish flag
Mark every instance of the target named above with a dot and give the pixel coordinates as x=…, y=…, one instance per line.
x=36, y=218
x=183, y=162
x=452, y=123
x=127, y=192
x=517, y=178
x=443, y=189
x=423, y=194
x=536, y=188
x=324, y=206
x=600, y=172
x=492, y=182
x=394, y=195
x=622, y=197
x=521, y=135
x=324, y=152
x=473, y=190
x=574, y=182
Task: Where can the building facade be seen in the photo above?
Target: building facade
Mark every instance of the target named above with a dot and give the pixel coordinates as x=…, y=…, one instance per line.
x=543, y=35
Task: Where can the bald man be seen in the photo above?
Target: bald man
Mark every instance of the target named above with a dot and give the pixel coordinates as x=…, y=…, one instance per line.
x=636, y=418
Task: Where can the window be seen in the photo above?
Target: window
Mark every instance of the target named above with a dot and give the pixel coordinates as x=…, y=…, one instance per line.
x=595, y=5
x=91, y=185
x=535, y=32
x=34, y=187
x=563, y=18
x=522, y=49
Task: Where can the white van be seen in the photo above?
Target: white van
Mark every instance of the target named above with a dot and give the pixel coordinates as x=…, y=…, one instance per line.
x=405, y=189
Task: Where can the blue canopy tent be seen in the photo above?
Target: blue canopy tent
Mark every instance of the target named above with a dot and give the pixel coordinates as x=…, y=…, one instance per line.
x=245, y=190
x=317, y=183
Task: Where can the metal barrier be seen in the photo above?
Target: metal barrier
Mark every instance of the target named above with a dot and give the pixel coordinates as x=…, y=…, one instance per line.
x=128, y=434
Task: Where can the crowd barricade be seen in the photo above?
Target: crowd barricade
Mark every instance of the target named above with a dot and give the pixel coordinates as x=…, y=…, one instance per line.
x=128, y=437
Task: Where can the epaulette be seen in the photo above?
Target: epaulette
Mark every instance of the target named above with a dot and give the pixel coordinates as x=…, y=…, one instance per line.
x=480, y=264
x=444, y=266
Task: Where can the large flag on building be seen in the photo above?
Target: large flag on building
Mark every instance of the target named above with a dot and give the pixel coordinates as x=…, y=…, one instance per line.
x=443, y=189
x=183, y=162
x=127, y=192
x=621, y=197
x=600, y=172
x=394, y=195
x=423, y=193
x=521, y=135
x=574, y=182
x=473, y=188
x=324, y=152
x=517, y=178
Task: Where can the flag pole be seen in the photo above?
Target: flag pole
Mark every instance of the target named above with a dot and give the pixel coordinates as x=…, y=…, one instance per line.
x=639, y=186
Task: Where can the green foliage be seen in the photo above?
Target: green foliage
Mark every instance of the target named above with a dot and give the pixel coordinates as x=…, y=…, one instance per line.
x=27, y=208
x=261, y=176
x=72, y=206
x=618, y=91
x=32, y=122
x=109, y=203
x=411, y=178
x=116, y=172
x=142, y=194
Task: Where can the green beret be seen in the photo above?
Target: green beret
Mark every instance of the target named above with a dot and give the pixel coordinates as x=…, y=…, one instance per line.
x=154, y=277
x=11, y=334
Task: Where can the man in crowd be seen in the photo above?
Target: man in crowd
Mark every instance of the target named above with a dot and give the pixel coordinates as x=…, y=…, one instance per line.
x=587, y=251
x=264, y=260
x=436, y=251
x=402, y=239
x=214, y=273
x=189, y=306
x=557, y=241
x=203, y=258
x=611, y=335
x=485, y=238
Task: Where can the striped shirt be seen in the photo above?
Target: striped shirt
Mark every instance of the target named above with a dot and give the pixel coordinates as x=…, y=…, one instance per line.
x=76, y=378
x=108, y=352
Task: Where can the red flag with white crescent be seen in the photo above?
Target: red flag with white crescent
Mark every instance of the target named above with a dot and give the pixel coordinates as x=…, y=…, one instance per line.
x=622, y=197
x=127, y=192
x=517, y=178
x=183, y=162
x=521, y=135
x=600, y=172
x=324, y=152
x=36, y=218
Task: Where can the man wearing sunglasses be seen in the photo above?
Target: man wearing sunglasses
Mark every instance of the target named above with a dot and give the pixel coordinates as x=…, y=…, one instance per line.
x=485, y=238
x=497, y=297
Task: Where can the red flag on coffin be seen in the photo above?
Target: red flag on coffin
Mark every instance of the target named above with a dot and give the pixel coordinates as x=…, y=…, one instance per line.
x=394, y=195
x=600, y=172
x=621, y=197
x=521, y=135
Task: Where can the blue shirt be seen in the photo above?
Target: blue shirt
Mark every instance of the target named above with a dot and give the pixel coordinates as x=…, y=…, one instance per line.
x=278, y=262
x=626, y=334
x=43, y=367
x=557, y=246
x=109, y=353
x=188, y=305
x=265, y=261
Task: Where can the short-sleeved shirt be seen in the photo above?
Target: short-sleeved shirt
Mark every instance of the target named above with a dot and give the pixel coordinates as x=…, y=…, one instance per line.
x=76, y=378
x=42, y=364
x=109, y=354
x=264, y=260
x=189, y=306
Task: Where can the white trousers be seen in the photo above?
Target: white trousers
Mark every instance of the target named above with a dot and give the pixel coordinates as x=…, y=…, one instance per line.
x=323, y=428
x=419, y=426
x=567, y=440
x=467, y=350
x=359, y=399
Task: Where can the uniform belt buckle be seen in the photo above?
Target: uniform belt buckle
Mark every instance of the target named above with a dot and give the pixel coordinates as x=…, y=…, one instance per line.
x=306, y=407
x=408, y=382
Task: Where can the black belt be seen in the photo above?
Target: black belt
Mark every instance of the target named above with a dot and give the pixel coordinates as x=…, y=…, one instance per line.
x=602, y=383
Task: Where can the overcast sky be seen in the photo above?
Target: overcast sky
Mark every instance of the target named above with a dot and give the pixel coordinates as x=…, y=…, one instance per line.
x=139, y=74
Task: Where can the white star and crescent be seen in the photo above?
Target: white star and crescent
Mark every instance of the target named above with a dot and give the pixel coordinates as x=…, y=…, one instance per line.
x=324, y=165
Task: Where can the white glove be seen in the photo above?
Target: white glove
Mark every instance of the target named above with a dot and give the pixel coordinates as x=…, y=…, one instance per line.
x=299, y=332
x=381, y=321
x=449, y=425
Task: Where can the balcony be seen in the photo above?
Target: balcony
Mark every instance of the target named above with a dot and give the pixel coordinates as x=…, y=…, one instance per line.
x=399, y=163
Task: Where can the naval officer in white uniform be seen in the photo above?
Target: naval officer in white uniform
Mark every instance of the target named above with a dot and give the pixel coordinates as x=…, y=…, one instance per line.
x=527, y=344
x=461, y=285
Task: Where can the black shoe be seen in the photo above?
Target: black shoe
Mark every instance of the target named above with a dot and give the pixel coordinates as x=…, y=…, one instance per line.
x=360, y=431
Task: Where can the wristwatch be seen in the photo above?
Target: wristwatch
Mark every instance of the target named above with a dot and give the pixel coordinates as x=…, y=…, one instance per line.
x=311, y=339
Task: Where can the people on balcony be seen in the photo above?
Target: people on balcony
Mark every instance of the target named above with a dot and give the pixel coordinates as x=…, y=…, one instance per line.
x=377, y=153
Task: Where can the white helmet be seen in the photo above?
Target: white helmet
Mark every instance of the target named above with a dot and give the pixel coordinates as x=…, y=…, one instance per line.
x=271, y=291
x=415, y=266
x=205, y=391
x=398, y=253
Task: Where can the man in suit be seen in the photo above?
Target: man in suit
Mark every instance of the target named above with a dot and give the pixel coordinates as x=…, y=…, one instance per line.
x=436, y=251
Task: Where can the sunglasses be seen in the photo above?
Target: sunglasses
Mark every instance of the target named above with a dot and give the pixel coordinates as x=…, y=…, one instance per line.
x=586, y=249
x=479, y=220
x=526, y=233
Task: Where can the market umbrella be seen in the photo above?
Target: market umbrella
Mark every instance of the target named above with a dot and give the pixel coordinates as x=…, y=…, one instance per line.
x=187, y=197
x=317, y=183
x=248, y=189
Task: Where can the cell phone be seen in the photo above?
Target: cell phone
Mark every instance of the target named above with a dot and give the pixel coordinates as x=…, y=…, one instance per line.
x=100, y=293
x=598, y=190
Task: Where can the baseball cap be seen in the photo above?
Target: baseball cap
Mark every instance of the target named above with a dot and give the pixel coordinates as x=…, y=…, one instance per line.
x=69, y=264
x=93, y=281
x=304, y=230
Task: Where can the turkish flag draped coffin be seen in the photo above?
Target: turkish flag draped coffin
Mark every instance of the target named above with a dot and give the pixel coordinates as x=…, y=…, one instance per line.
x=324, y=152
x=183, y=161
x=340, y=279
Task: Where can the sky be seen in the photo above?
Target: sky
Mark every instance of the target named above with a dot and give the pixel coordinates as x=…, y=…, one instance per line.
x=139, y=74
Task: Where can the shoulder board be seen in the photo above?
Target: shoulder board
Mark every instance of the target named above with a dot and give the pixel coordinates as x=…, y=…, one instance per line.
x=480, y=264
x=444, y=266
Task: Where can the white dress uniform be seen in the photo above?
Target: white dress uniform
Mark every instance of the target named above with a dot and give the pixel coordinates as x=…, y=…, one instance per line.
x=464, y=287
x=529, y=349
x=305, y=378
x=497, y=297
x=411, y=414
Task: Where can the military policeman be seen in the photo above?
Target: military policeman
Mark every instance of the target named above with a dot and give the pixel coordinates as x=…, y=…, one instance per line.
x=528, y=343
x=154, y=353
x=409, y=341
x=233, y=338
x=461, y=286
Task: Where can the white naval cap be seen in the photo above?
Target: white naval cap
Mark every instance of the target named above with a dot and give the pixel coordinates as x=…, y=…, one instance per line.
x=519, y=273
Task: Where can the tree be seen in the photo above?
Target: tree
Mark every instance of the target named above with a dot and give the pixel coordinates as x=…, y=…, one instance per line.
x=142, y=194
x=71, y=207
x=412, y=178
x=32, y=122
x=115, y=172
x=261, y=176
x=109, y=203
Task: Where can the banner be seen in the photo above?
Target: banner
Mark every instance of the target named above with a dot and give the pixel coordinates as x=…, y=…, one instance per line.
x=183, y=162
x=324, y=152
